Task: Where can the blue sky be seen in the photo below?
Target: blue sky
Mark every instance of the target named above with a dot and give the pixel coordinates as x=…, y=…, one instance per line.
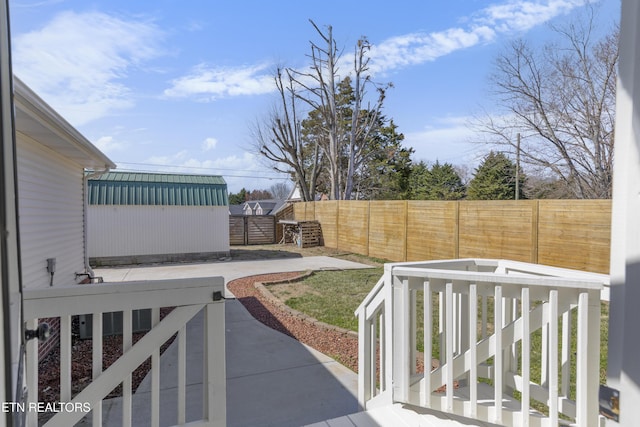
x=175, y=85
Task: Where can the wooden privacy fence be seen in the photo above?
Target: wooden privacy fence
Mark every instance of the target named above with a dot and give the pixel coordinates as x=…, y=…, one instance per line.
x=565, y=233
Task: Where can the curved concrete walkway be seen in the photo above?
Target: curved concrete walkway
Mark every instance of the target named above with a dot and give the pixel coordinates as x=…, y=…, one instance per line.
x=272, y=379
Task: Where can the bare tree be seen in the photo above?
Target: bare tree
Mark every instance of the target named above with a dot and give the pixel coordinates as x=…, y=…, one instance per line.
x=320, y=86
x=279, y=140
x=335, y=138
x=561, y=99
x=280, y=190
x=362, y=125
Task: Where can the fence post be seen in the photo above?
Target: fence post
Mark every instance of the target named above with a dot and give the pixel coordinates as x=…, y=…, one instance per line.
x=406, y=231
x=456, y=233
x=535, y=224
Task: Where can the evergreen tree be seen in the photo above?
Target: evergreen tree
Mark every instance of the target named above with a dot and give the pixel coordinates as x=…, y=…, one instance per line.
x=440, y=182
x=495, y=179
x=239, y=198
x=444, y=183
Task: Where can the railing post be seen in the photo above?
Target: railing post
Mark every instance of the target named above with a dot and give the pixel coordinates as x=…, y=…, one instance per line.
x=587, y=366
x=215, y=387
x=401, y=338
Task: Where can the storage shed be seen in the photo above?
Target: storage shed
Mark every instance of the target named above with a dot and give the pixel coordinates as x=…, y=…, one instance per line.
x=137, y=217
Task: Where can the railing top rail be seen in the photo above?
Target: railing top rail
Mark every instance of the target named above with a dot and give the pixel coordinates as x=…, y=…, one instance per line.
x=118, y=296
x=448, y=264
x=499, y=278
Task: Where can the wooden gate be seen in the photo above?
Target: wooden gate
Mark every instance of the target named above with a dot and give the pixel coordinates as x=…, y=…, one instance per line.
x=252, y=230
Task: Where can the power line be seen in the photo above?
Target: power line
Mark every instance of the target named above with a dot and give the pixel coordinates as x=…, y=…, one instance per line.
x=156, y=165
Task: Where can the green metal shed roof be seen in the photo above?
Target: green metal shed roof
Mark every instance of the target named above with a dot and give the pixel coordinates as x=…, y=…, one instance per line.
x=136, y=188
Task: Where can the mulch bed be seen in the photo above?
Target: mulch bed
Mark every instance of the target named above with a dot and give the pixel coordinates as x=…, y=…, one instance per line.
x=335, y=344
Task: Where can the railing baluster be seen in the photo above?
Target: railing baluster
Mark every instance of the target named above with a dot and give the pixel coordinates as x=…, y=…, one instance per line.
x=588, y=361
x=373, y=332
x=413, y=322
x=405, y=350
x=182, y=374
x=155, y=375
x=364, y=359
x=566, y=355
x=96, y=341
x=497, y=358
x=526, y=355
x=442, y=312
x=463, y=322
x=473, y=353
x=65, y=358
x=31, y=365
x=127, y=342
x=553, y=356
x=383, y=349
x=449, y=330
x=428, y=344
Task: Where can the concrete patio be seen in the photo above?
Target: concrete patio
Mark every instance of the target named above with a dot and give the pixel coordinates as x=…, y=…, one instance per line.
x=272, y=379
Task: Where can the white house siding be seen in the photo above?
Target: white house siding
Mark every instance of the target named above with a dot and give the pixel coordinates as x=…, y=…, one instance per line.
x=50, y=193
x=131, y=231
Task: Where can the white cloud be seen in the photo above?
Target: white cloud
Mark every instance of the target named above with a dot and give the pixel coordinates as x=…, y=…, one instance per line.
x=107, y=144
x=209, y=144
x=78, y=61
x=209, y=83
x=483, y=27
x=524, y=15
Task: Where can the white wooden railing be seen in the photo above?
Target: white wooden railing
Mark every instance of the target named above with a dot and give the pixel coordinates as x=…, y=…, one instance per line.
x=549, y=322
x=188, y=296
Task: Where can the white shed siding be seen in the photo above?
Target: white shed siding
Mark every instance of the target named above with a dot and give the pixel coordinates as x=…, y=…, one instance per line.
x=50, y=192
x=116, y=230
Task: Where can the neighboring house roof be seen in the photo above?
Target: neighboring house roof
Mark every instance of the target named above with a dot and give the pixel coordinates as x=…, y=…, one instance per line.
x=36, y=120
x=269, y=207
x=236, y=210
x=160, y=189
x=294, y=195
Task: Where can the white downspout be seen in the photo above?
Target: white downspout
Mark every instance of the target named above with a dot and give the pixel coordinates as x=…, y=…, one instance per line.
x=85, y=215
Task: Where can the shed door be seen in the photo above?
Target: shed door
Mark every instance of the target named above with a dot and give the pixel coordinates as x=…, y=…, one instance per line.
x=11, y=354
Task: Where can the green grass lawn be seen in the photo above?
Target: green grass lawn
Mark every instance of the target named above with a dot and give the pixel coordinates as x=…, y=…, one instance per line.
x=330, y=296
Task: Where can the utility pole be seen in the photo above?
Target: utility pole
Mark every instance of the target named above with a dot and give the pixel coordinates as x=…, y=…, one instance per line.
x=518, y=166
